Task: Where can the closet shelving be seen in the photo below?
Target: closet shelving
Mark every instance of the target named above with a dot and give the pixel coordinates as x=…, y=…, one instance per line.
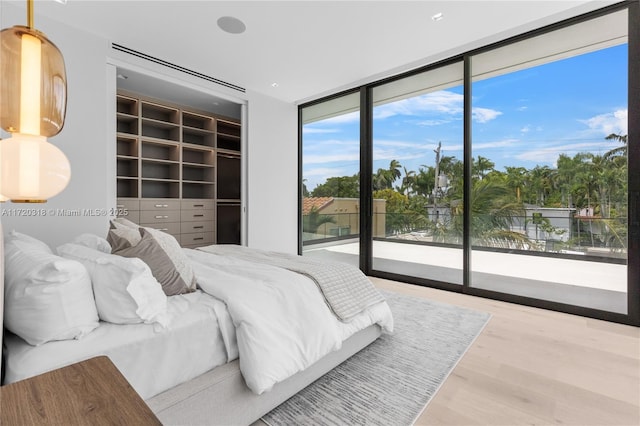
x=178, y=170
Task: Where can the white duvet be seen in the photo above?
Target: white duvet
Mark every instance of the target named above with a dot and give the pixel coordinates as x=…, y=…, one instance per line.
x=281, y=323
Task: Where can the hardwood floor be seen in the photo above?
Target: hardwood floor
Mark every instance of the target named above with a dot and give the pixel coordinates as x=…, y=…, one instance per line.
x=533, y=366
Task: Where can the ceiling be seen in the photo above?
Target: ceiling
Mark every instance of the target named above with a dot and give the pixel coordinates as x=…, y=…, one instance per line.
x=309, y=48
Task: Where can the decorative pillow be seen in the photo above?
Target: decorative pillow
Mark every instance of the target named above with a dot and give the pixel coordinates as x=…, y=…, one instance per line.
x=124, y=222
x=46, y=297
x=122, y=237
x=93, y=241
x=125, y=290
x=166, y=259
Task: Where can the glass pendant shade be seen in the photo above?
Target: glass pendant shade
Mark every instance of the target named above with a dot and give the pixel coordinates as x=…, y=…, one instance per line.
x=32, y=169
x=33, y=87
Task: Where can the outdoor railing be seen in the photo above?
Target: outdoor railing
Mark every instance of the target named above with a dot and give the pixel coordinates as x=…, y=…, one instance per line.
x=588, y=238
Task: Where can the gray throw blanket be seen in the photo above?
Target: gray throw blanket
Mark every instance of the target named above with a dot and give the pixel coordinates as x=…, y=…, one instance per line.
x=345, y=288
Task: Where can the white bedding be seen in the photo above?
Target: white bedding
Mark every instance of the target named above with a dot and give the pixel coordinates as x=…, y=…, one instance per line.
x=152, y=359
x=283, y=324
x=275, y=320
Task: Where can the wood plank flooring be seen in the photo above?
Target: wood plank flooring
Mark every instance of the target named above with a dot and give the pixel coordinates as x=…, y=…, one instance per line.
x=536, y=367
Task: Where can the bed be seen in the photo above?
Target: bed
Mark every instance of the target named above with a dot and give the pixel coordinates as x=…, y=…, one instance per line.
x=254, y=332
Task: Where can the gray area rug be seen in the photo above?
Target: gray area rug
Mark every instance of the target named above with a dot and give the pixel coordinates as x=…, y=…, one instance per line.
x=390, y=381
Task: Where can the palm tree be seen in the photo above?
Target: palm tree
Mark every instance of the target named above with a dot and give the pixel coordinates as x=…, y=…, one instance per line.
x=482, y=166
x=314, y=220
x=541, y=183
x=619, y=151
x=394, y=170
x=408, y=181
x=424, y=181
x=516, y=177
x=493, y=212
x=382, y=179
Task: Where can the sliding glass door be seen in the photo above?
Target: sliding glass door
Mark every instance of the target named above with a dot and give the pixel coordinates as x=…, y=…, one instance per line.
x=417, y=175
x=549, y=174
x=330, y=192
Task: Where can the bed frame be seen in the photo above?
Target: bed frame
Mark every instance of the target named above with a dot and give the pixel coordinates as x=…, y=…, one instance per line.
x=220, y=396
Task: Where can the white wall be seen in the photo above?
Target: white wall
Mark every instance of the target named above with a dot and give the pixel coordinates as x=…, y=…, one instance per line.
x=273, y=174
x=83, y=138
x=88, y=141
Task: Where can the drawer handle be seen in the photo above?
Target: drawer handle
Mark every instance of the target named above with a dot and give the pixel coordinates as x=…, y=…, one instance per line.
x=198, y=205
x=162, y=205
x=120, y=206
x=163, y=229
x=198, y=239
x=198, y=215
x=198, y=227
x=162, y=217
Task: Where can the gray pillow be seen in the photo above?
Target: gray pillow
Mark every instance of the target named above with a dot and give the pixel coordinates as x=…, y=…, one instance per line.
x=168, y=263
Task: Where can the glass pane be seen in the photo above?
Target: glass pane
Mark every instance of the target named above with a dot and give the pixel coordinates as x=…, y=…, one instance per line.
x=549, y=198
x=331, y=183
x=418, y=174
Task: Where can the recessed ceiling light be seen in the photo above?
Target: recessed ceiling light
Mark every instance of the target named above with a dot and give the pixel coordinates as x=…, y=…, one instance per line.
x=231, y=25
x=437, y=17
x=274, y=84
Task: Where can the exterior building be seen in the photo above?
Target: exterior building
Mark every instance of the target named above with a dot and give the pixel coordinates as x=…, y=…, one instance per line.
x=327, y=217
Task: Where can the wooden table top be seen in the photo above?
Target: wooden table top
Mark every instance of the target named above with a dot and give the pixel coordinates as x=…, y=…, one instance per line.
x=91, y=392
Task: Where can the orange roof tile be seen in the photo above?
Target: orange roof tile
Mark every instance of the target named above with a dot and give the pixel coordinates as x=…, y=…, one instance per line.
x=309, y=203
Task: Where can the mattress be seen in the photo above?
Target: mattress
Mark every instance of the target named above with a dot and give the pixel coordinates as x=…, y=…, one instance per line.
x=151, y=358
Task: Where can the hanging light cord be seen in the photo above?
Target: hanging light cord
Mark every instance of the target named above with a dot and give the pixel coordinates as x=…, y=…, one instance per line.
x=30, y=14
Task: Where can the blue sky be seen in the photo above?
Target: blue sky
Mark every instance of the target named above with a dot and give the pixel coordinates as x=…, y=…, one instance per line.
x=525, y=118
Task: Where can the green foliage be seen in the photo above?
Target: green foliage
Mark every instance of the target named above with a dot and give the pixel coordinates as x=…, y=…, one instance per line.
x=339, y=187
x=498, y=197
x=312, y=221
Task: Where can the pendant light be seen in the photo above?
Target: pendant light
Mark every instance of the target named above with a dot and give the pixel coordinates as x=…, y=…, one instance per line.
x=33, y=103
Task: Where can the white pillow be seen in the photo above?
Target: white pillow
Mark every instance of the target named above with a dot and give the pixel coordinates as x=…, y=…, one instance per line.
x=125, y=290
x=93, y=242
x=46, y=297
x=29, y=241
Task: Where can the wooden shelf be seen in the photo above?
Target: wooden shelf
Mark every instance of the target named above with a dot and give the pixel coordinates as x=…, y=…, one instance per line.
x=126, y=105
x=160, y=113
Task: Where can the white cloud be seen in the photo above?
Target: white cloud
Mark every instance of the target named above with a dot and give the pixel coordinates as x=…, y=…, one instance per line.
x=390, y=154
x=525, y=129
x=550, y=154
x=432, y=122
x=331, y=158
x=445, y=104
x=522, y=108
x=314, y=130
x=494, y=144
x=322, y=171
x=612, y=122
x=483, y=115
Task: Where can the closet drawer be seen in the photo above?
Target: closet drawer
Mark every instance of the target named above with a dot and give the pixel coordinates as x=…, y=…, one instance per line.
x=128, y=204
x=159, y=216
x=132, y=215
x=201, y=238
x=189, y=227
x=197, y=204
x=197, y=215
x=159, y=204
x=172, y=228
